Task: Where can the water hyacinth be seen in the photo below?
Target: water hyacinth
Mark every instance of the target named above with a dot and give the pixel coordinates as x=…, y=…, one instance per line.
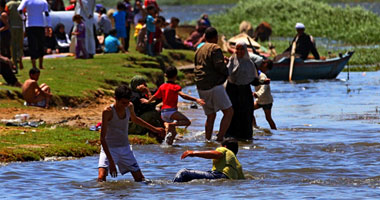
x=353, y=25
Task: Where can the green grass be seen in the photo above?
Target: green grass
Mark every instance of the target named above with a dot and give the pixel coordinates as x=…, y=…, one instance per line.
x=71, y=78
x=34, y=144
x=352, y=25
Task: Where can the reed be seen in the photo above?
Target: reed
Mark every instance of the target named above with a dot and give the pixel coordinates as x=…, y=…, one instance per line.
x=353, y=25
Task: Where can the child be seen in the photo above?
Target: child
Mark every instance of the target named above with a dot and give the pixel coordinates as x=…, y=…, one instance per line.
x=112, y=44
x=120, y=20
x=151, y=29
x=263, y=94
x=138, y=27
x=160, y=23
x=224, y=163
x=34, y=94
x=81, y=37
x=169, y=92
x=114, y=137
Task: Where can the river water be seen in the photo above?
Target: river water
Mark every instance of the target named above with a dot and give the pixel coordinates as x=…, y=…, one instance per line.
x=327, y=147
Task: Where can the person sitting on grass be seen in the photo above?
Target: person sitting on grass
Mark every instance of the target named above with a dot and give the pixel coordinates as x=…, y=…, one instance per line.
x=169, y=92
x=33, y=94
x=224, y=163
x=115, y=148
x=263, y=94
x=112, y=43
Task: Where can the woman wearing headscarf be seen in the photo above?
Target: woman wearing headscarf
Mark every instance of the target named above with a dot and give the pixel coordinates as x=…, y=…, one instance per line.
x=62, y=38
x=242, y=73
x=148, y=112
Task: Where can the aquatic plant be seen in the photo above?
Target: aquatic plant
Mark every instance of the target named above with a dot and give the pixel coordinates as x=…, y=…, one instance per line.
x=353, y=25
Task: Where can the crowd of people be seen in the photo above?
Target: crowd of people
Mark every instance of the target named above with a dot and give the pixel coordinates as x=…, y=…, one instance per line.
x=223, y=84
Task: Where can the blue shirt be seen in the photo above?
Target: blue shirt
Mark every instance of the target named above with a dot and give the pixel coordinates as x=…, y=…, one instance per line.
x=119, y=17
x=111, y=44
x=149, y=24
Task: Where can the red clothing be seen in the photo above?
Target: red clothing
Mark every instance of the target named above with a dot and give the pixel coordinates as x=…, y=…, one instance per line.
x=151, y=2
x=158, y=44
x=70, y=7
x=168, y=92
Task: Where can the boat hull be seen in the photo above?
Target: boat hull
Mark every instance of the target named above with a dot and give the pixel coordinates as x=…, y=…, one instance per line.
x=309, y=69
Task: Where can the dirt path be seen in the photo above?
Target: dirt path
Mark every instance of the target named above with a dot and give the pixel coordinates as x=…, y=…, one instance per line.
x=82, y=117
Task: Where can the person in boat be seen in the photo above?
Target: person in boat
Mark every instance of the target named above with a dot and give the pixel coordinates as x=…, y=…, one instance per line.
x=210, y=74
x=225, y=164
x=304, y=44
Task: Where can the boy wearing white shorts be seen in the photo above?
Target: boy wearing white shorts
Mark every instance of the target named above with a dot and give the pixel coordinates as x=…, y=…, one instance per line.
x=114, y=137
x=169, y=92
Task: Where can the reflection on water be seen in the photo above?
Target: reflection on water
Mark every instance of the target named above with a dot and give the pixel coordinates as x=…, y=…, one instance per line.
x=327, y=147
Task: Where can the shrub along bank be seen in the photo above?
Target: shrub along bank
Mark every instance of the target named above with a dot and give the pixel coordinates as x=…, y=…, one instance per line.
x=353, y=25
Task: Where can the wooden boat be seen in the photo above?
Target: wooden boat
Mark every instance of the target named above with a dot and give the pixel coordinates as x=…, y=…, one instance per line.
x=309, y=69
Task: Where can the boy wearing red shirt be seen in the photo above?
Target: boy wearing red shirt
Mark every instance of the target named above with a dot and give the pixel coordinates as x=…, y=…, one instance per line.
x=169, y=92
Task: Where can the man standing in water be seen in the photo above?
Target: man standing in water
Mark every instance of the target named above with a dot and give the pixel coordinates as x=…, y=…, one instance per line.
x=86, y=9
x=210, y=74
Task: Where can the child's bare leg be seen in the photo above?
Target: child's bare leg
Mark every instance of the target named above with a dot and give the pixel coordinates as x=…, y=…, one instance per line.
x=255, y=107
x=180, y=120
x=102, y=174
x=138, y=176
x=268, y=117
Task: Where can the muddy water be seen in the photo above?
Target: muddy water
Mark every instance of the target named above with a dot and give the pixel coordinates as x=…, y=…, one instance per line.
x=327, y=147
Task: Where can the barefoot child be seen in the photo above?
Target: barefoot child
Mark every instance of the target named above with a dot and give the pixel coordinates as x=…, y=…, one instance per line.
x=81, y=37
x=114, y=137
x=263, y=94
x=169, y=92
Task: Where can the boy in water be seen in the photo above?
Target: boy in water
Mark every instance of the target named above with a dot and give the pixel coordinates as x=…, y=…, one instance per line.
x=114, y=137
x=224, y=163
x=169, y=92
x=263, y=94
x=33, y=94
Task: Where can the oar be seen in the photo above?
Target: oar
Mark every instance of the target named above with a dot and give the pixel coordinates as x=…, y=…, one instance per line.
x=292, y=58
x=253, y=48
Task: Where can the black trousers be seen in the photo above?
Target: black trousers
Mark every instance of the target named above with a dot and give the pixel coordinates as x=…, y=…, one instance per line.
x=36, y=41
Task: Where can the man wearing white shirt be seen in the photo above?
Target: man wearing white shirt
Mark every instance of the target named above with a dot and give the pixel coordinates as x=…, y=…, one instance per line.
x=35, y=27
x=86, y=9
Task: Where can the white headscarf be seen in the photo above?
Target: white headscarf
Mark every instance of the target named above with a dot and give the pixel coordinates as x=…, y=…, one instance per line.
x=242, y=71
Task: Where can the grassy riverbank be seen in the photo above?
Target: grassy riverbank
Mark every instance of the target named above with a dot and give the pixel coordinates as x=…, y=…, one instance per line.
x=73, y=81
x=34, y=144
x=350, y=25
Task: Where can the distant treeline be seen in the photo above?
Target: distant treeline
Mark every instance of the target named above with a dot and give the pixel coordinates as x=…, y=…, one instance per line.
x=353, y=25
